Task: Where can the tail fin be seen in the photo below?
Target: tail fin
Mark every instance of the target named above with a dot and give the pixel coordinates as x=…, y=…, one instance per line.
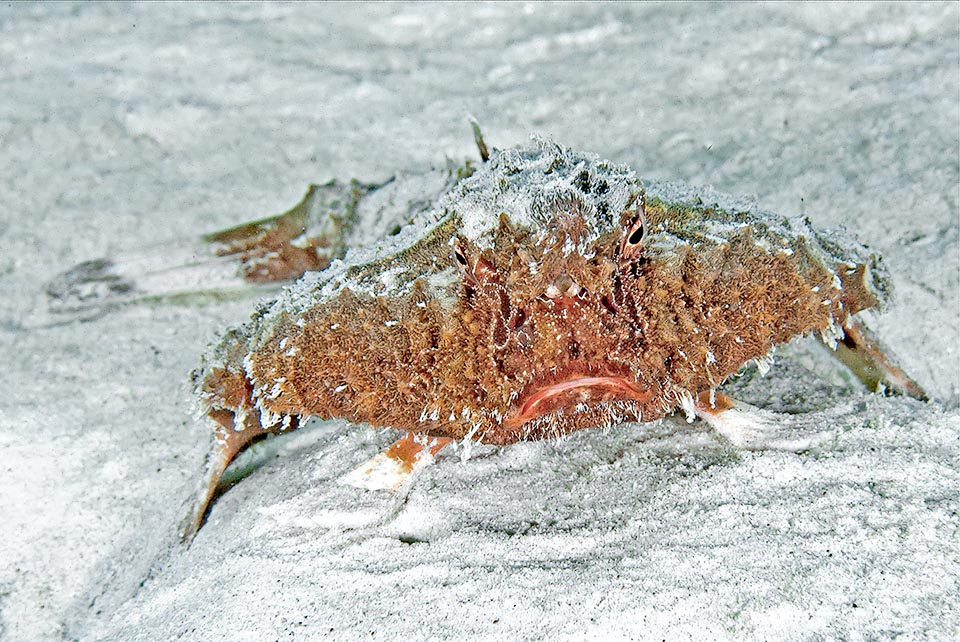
x=245, y=259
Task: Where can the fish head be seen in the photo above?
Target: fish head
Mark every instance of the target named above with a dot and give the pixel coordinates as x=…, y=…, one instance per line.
x=588, y=298
x=546, y=243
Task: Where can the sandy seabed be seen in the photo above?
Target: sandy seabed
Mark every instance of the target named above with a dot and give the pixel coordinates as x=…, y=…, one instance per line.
x=127, y=126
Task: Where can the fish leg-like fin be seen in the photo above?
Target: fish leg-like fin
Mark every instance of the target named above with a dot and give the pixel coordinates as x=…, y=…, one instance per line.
x=394, y=466
x=753, y=428
x=248, y=258
x=873, y=364
x=232, y=435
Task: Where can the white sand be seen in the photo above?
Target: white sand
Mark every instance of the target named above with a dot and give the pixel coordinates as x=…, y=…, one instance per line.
x=125, y=126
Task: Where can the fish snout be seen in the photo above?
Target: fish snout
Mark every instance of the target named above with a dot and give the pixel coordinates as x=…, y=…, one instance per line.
x=563, y=287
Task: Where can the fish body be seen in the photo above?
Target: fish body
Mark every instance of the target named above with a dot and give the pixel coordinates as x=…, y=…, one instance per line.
x=546, y=292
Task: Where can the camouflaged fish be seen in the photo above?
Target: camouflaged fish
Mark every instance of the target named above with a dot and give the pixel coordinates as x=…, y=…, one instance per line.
x=544, y=292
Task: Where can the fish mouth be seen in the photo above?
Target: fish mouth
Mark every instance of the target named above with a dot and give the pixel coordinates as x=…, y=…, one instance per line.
x=573, y=391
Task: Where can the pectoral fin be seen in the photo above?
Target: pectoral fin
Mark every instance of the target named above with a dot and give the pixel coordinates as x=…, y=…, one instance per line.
x=753, y=428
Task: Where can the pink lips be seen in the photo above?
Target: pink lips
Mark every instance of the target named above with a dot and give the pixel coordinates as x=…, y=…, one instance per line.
x=560, y=394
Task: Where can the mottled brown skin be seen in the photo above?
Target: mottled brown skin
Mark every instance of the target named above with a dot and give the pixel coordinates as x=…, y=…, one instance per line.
x=642, y=330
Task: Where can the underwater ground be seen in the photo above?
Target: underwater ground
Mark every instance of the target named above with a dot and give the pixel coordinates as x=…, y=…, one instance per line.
x=127, y=126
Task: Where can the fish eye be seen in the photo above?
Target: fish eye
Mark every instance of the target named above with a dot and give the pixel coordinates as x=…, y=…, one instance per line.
x=639, y=231
x=636, y=233
x=459, y=256
x=475, y=270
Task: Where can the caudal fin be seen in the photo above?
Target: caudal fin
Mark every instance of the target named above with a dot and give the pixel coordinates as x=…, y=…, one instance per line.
x=242, y=260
